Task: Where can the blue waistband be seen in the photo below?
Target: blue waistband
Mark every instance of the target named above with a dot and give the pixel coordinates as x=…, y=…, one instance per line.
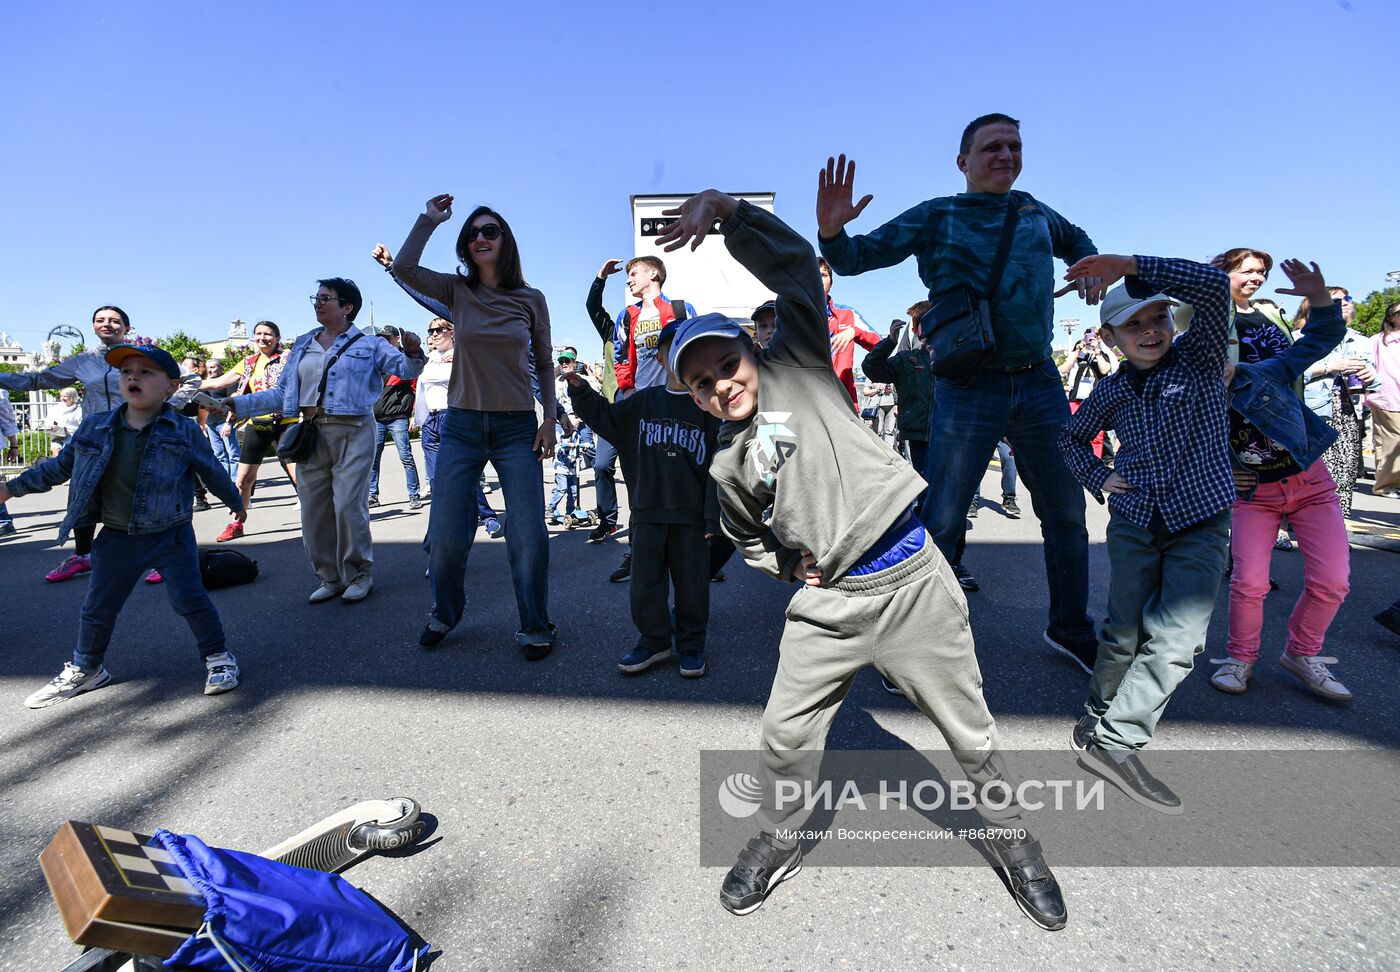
x=900, y=542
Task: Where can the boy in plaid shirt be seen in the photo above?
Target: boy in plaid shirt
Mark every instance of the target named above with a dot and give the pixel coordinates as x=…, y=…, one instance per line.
x=1169, y=499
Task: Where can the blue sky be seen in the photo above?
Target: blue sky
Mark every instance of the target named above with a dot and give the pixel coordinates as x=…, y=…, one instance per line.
x=195, y=163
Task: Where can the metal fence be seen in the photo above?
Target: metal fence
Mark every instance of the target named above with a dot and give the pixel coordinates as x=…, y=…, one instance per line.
x=34, y=443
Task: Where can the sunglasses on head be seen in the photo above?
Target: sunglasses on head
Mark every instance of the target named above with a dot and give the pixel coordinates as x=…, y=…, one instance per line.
x=491, y=231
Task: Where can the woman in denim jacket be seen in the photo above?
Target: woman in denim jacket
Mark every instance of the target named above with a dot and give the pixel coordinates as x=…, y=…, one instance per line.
x=1334, y=384
x=333, y=484
x=1277, y=444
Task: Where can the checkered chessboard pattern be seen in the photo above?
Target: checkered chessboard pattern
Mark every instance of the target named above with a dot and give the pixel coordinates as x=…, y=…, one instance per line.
x=141, y=862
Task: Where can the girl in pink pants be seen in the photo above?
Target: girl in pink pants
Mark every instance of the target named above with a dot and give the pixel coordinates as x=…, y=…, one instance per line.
x=1277, y=444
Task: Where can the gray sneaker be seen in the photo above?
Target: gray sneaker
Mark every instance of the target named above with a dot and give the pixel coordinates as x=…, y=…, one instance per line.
x=1312, y=671
x=223, y=673
x=68, y=683
x=1232, y=676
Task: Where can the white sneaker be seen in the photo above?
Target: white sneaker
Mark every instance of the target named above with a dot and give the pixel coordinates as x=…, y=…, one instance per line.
x=1232, y=676
x=358, y=591
x=324, y=593
x=68, y=683
x=1313, y=672
x=223, y=673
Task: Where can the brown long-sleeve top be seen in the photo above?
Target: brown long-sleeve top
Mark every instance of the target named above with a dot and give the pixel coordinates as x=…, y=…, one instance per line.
x=494, y=330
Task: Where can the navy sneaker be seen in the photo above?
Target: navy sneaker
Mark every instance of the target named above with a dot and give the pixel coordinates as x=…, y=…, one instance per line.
x=541, y=645
x=639, y=659
x=1083, y=654
x=692, y=664
x=761, y=867
x=494, y=527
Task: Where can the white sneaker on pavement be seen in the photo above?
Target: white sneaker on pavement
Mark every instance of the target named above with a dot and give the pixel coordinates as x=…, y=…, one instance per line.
x=358, y=590
x=1232, y=676
x=1312, y=671
x=324, y=593
x=68, y=683
x=222, y=673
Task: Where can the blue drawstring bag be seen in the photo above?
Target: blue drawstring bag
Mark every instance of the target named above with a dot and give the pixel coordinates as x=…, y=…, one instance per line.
x=265, y=916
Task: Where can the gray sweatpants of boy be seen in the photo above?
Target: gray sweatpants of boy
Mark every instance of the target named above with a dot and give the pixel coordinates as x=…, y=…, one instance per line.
x=910, y=622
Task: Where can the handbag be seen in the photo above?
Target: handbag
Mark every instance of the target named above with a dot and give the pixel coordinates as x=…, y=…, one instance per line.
x=226, y=568
x=960, y=325
x=298, y=443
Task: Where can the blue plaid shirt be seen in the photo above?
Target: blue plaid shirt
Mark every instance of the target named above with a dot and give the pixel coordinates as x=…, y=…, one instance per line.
x=1173, y=436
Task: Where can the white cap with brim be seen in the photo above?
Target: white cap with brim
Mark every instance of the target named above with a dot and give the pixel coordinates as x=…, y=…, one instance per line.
x=1118, y=305
x=704, y=326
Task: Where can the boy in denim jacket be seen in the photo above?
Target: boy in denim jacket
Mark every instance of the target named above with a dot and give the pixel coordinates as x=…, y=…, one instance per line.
x=132, y=469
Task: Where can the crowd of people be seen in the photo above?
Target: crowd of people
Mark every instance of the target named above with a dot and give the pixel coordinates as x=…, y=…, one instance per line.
x=1206, y=420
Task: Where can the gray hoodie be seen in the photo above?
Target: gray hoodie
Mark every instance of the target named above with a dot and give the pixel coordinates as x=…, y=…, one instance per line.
x=834, y=487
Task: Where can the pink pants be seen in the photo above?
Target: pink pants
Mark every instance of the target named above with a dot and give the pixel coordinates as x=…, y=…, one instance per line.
x=1309, y=500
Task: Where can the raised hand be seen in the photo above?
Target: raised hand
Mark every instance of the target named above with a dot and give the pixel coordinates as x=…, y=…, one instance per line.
x=1307, y=282
x=1099, y=272
x=411, y=343
x=382, y=256
x=439, y=208
x=895, y=327
x=835, y=190
x=695, y=218
x=610, y=268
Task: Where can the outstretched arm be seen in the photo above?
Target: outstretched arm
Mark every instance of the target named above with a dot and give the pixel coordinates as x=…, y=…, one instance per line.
x=405, y=267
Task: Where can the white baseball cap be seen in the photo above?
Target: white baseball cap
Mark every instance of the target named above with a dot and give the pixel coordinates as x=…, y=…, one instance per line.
x=1118, y=305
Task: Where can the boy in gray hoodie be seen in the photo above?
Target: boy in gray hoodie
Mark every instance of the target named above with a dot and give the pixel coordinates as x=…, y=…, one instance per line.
x=874, y=590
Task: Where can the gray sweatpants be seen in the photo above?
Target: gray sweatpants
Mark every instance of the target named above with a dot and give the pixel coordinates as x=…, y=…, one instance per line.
x=910, y=622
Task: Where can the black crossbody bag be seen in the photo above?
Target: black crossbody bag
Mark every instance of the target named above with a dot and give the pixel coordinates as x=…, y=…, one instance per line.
x=960, y=338
x=298, y=443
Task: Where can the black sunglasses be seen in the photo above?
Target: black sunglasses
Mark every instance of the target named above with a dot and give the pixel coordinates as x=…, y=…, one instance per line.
x=439, y=330
x=491, y=231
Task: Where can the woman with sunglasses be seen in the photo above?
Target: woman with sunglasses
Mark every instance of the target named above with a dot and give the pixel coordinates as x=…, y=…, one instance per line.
x=490, y=416
x=333, y=375
x=1385, y=404
x=1333, y=390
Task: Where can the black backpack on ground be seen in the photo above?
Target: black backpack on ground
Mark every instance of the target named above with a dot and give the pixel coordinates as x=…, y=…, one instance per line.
x=226, y=568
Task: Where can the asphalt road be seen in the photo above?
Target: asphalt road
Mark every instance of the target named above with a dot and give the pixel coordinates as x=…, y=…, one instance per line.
x=567, y=795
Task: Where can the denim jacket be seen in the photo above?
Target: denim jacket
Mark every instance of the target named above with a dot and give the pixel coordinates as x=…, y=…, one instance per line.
x=1263, y=392
x=355, y=381
x=177, y=449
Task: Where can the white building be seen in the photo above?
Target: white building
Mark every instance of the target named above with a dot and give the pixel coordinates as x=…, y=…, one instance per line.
x=708, y=276
x=11, y=353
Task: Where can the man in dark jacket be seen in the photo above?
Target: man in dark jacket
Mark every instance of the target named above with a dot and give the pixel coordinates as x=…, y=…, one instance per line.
x=391, y=415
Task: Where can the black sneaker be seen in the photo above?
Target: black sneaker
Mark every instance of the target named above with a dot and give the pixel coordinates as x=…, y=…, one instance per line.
x=1033, y=885
x=965, y=579
x=601, y=532
x=972, y=510
x=1389, y=619
x=761, y=867
x=718, y=578
x=1130, y=776
x=372, y=501
x=1082, y=734
x=624, y=570
x=1084, y=654
x=431, y=636
x=1009, y=507
x=201, y=504
x=535, y=650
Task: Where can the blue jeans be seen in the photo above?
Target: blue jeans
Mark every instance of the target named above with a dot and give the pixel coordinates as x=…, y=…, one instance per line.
x=470, y=439
x=5, y=515
x=119, y=561
x=398, y=429
x=605, y=481
x=565, y=488
x=225, y=448
x=1028, y=408
x=431, y=440
x=1008, y=470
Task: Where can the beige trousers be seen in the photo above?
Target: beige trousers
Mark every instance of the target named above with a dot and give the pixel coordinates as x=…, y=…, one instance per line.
x=333, y=486
x=1385, y=431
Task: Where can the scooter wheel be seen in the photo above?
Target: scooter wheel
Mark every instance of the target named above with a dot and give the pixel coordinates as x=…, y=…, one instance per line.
x=391, y=834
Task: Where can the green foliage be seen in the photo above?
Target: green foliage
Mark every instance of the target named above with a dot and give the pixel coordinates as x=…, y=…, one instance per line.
x=182, y=345
x=233, y=357
x=11, y=368
x=1370, y=313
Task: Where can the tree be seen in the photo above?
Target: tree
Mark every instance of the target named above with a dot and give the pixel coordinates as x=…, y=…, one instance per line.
x=1370, y=313
x=182, y=345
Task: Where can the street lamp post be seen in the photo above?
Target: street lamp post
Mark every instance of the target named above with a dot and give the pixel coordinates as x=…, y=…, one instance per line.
x=1393, y=278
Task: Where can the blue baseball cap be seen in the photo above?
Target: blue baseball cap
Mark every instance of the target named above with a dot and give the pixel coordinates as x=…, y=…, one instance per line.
x=120, y=352
x=704, y=326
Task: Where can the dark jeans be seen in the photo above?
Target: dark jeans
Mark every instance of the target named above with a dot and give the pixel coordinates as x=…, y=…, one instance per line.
x=398, y=430
x=430, y=437
x=1028, y=408
x=681, y=552
x=119, y=560
x=605, y=481
x=918, y=458
x=469, y=439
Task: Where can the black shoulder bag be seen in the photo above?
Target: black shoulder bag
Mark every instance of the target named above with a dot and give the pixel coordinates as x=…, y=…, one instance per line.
x=960, y=325
x=299, y=442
